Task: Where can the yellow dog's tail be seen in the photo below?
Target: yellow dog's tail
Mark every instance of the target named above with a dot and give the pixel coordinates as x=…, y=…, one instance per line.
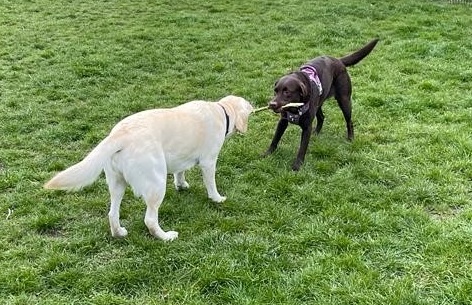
x=86, y=171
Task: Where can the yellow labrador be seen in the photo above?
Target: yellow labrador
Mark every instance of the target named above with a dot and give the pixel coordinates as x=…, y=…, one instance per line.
x=144, y=147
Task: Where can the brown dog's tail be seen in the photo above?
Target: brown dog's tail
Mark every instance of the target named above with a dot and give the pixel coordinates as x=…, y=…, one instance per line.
x=354, y=58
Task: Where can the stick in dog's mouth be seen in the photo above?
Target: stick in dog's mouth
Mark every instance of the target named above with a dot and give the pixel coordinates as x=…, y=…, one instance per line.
x=260, y=109
x=284, y=106
x=292, y=105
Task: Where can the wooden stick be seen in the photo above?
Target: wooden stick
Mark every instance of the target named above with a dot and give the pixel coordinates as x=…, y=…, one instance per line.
x=285, y=106
x=260, y=109
x=292, y=105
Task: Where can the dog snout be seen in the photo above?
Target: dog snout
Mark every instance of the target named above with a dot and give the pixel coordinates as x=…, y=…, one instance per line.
x=274, y=105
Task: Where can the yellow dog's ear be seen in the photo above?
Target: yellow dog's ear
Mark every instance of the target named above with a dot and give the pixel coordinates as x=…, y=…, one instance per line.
x=242, y=116
x=241, y=123
x=238, y=108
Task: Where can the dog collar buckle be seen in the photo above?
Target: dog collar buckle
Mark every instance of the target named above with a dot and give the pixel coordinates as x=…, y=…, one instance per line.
x=293, y=118
x=313, y=76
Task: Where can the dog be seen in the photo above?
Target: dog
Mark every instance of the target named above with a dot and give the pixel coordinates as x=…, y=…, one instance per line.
x=144, y=147
x=316, y=81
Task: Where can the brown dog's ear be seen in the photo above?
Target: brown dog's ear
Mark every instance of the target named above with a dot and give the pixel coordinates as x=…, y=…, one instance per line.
x=303, y=88
x=275, y=84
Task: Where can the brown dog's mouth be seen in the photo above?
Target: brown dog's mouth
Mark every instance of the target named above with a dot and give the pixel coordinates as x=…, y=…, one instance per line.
x=274, y=106
x=277, y=108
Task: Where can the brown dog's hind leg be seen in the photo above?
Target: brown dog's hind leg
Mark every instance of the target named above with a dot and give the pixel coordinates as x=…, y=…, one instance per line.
x=345, y=105
x=342, y=95
x=319, y=121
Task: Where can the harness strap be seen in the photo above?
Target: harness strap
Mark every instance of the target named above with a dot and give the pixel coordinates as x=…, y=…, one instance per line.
x=313, y=76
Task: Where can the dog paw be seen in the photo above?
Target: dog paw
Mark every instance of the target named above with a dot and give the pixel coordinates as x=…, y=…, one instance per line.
x=170, y=235
x=120, y=233
x=182, y=186
x=219, y=199
x=296, y=165
x=267, y=153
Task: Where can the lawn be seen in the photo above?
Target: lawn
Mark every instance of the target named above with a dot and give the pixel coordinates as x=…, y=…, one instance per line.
x=386, y=219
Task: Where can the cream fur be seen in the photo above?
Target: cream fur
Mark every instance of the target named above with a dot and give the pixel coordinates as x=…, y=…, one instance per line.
x=144, y=147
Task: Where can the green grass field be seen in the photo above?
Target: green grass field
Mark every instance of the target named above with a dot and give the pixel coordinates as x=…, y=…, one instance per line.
x=386, y=219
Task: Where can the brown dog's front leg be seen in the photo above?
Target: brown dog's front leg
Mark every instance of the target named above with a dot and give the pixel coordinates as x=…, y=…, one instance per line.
x=281, y=127
x=305, y=139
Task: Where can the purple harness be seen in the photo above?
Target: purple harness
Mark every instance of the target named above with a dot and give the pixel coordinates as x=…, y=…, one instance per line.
x=313, y=76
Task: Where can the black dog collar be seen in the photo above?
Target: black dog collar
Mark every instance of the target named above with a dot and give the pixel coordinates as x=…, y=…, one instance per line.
x=226, y=119
x=295, y=117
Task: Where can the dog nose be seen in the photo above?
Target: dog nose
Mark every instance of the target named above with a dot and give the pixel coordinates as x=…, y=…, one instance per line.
x=272, y=105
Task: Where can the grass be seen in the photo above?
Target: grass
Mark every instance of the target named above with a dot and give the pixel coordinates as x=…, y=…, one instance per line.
x=386, y=219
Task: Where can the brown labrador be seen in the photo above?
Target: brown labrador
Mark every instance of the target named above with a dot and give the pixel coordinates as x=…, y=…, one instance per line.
x=316, y=81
